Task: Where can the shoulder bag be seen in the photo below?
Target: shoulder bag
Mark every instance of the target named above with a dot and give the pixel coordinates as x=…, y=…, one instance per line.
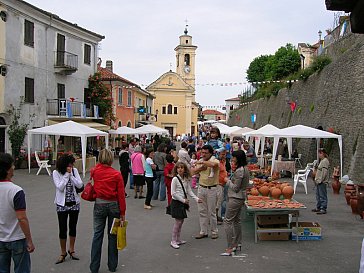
x=89, y=193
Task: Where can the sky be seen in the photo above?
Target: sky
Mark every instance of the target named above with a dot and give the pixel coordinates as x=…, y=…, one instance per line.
x=140, y=35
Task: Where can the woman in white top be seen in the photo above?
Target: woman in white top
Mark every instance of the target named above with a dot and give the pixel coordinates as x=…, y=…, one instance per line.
x=67, y=181
x=179, y=189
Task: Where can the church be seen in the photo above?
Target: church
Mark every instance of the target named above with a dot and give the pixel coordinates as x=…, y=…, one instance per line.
x=174, y=104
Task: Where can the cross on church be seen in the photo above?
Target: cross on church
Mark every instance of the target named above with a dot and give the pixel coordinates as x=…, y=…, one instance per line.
x=186, y=31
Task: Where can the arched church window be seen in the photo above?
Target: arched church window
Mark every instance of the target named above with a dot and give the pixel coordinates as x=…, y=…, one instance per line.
x=187, y=59
x=169, y=109
x=2, y=121
x=129, y=124
x=119, y=124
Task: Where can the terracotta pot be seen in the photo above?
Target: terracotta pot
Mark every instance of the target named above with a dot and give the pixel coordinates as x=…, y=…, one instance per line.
x=360, y=195
x=354, y=204
x=254, y=191
x=264, y=190
x=348, y=194
x=336, y=185
x=288, y=192
x=275, y=193
x=349, y=187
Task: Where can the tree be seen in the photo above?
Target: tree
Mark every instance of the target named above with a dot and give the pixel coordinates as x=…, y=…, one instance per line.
x=101, y=96
x=256, y=70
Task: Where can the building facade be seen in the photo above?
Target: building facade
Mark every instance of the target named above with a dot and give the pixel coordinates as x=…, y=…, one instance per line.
x=210, y=114
x=132, y=104
x=175, y=104
x=48, y=61
x=231, y=104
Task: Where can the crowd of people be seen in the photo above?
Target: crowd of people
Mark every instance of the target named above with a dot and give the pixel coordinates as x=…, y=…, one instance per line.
x=217, y=169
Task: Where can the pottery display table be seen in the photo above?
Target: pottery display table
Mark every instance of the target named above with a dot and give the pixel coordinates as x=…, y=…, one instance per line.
x=274, y=211
x=90, y=162
x=284, y=165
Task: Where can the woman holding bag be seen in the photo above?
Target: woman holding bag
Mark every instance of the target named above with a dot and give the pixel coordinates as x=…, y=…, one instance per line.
x=179, y=189
x=109, y=204
x=67, y=181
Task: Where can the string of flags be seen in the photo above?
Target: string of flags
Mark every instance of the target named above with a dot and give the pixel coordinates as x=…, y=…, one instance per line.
x=217, y=84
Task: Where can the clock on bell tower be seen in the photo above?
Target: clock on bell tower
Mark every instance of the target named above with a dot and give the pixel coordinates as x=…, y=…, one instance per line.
x=185, y=58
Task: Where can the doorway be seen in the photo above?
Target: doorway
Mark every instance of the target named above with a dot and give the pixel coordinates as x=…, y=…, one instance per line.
x=170, y=130
x=2, y=135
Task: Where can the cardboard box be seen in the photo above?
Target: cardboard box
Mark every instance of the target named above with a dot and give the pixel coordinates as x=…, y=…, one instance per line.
x=273, y=236
x=306, y=231
x=272, y=219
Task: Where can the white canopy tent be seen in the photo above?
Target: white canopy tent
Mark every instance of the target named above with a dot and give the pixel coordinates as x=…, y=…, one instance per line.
x=210, y=121
x=238, y=131
x=301, y=131
x=224, y=129
x=260, y=135
x=124, y=130
x=151, y=129
x=68, y=128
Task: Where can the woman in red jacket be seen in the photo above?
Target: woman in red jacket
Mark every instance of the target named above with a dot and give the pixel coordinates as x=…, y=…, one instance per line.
x=109, y=204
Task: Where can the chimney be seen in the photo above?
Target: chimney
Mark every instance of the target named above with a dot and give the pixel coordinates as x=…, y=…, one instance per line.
x=109, y=65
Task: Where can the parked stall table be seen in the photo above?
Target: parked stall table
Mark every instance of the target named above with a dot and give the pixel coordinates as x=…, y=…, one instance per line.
x=284, y=165
x=274, y=211
x=90, y=163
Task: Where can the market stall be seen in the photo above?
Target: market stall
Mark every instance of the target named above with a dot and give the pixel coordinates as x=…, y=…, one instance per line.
x=68, y=128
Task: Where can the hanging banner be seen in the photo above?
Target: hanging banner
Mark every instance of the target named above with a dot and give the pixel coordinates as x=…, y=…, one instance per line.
x=253, y=117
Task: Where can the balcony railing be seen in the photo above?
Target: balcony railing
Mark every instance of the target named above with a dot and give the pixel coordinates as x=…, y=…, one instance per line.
x=65, y=108
x=65, y=62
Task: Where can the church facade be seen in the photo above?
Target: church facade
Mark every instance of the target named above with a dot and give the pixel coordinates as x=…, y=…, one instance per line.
x=174, y=104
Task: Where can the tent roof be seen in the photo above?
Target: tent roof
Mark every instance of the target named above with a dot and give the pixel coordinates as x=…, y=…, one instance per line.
x=124, y=130
x=151, y=129
x=302, y=131
x=240, y=131
x=224, y=129
x=266, y=131
x=68, y=128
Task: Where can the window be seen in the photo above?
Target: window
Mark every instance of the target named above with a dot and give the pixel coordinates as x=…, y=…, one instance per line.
x=175, y=110
x=119, y=123
x=29, y=90
x=120, y=96
x=129, y=98
x=87, y=54
x=87, y=98
x=187, y=59
x=61, y=91
x=169, y=109
x=29, y=33
x=163, y=110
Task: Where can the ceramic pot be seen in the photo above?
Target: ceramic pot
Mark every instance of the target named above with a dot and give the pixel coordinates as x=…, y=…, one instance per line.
x=360, y=195
x=349, y=187
x=348, y=194
x=288, y=192
x=264, y=190
x=336, y=185
x=354, y=204
x=254, y=191
x=275, y=193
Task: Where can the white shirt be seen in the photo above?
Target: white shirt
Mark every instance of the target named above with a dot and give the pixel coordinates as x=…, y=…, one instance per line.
x=60, y=181
x=177, y=191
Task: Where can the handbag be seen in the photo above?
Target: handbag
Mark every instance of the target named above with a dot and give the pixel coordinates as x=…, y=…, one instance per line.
x=89, y=193
x=121, y=236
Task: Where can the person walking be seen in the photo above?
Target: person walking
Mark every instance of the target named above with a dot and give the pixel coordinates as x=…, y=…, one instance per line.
x=207, y=192
x=168, y=175
x=149, y=167
x=124, y=162
x=15, y=237
x=67, y=181
x=137, y=160
x=235, y=202
x=183, y=155
x=109, y=204
x=322, y=179
x=159, y=159
x=180, y=203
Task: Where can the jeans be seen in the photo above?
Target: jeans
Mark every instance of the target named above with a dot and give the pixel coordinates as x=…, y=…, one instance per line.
x=18, y=251
x=159, y=187
x=131, y=180
x=102, y=212
x=321, y=196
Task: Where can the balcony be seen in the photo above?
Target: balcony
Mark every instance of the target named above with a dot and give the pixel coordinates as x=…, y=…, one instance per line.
x=64, y=108
x=65, y=63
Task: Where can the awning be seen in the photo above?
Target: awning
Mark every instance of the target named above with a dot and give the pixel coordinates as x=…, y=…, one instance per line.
x=91, y=124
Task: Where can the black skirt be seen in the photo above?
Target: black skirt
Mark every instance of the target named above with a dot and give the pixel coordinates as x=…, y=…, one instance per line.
x=178, y=210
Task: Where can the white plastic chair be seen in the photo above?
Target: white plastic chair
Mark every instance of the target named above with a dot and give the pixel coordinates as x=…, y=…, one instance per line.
x=43, y=164
x=298, y=160
x=301, y=177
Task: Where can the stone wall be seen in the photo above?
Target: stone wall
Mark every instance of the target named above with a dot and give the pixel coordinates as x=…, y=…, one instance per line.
x=333, y=98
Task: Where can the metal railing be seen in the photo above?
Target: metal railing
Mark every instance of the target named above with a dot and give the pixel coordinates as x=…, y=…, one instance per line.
x=67, y=60
x=58, y=107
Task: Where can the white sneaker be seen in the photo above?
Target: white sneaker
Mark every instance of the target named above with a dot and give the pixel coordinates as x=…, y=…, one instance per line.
x=181, y=242
x=174, y=245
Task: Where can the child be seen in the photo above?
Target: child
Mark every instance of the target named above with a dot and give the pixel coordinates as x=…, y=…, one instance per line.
x=168, y=176
x=195, y=176
x=179, y=189
x=216, y=144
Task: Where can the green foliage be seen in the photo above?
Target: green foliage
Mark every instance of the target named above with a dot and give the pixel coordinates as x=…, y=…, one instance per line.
x=284, y=62
x=312, y=107
x=267, y=90
x=16, y=131
x=299, y=110
x=317, y=65
x=289, y=118
x=100, y=95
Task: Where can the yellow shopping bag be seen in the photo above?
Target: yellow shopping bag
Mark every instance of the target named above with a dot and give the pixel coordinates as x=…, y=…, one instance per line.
x=121, y=236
